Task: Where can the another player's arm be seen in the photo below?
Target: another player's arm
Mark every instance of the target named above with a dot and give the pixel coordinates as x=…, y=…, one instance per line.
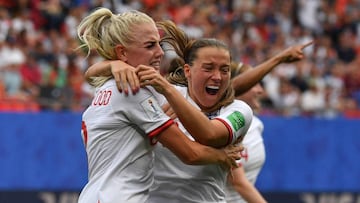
x=243, y=82
x=245, y=188
x=194, y=153
x=123, y=73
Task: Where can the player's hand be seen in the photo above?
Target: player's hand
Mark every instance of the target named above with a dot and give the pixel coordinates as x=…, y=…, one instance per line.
x=169, y=111
x=233, y=153
x=150, y=76
x=293, y=53
x=125, y=77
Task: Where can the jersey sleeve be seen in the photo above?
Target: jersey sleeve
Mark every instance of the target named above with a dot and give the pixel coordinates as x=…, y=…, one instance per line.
x=237, y=118
x=144, y=111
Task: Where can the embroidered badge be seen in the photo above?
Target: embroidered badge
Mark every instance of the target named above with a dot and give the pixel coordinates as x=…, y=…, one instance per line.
x=237, y=120
x=151, y=107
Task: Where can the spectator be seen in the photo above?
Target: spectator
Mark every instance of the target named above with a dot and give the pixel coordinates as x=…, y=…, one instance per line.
x=253, y=29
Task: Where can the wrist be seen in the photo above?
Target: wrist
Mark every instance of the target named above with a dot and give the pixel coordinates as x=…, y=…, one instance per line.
x=170, y=90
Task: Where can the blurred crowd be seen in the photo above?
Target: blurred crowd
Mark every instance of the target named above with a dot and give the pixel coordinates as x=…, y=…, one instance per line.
x=42, y=69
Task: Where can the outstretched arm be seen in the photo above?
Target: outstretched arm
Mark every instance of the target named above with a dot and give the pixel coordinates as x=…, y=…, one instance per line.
x=243, y=82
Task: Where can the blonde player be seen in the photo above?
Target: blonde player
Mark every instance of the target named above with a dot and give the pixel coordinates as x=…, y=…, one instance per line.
x=119, y=131
x=175, y=183
x=207, y=89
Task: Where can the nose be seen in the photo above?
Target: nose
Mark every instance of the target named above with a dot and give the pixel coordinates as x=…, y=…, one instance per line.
x=216, y=75
x=159, y=52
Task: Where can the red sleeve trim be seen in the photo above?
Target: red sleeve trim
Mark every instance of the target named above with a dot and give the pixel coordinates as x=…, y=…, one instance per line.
x=152, y=135
x=230, y=138
x=83, y=127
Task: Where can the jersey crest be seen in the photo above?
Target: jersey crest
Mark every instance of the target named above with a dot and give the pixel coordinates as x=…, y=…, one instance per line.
x=151, y=108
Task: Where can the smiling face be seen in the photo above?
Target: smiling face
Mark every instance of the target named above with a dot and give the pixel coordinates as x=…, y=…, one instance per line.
x=145, y=50
x=209, y=76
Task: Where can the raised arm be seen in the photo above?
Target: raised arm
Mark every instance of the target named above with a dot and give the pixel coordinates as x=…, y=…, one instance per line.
x=245, y=81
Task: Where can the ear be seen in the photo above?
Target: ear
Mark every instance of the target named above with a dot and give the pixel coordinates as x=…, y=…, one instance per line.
x=120, y=52
x=187, y=70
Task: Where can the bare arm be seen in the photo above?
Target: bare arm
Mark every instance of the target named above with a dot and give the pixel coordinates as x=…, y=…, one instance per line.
x=243, y=82
x=123, y=73
x=245, y=188
x=208, y=132
x=205, y=131
x=193, y=153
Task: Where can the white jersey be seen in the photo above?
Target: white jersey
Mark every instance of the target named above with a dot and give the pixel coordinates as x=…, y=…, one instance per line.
x=116, y=132
x=253, y=158
x=178, y=182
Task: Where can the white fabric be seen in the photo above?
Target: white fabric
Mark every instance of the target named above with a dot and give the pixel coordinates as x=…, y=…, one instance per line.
x=253, y=158
x=178, y=182
x=120, y=155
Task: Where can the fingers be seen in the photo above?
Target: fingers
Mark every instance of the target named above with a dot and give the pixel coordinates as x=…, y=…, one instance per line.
x=134, y=82
x=118, y=82
x=236, y=155
x=229, y=164
x=234, y=148
x=148, y=75
x=169, y=111
x=166, y=107
x=123, y=83
x=127, y=79
x=307, y=44
x=234, y=165
x=173, y=115
x=233, y=153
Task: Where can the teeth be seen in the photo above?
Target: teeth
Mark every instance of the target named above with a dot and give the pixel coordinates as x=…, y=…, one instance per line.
x=155, y=64
x=213, y=87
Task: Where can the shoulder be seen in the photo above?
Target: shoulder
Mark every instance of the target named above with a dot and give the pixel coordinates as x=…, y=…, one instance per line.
x=110, y=88
x=239, y=105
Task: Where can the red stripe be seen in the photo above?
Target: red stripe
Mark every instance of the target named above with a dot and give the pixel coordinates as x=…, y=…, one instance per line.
x=158, y=130
x=230, y=138
x=83, y=127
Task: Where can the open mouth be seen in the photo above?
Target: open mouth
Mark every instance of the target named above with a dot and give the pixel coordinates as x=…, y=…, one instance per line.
x=212, y=90
x=156, y=65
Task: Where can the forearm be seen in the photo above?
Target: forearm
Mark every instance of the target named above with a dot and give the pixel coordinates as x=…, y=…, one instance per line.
x=188, y=151
x=196, y=123
x=102, y=68
x=206, y=155
x=249, y=193
x=244, y=81
x=245, y=188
